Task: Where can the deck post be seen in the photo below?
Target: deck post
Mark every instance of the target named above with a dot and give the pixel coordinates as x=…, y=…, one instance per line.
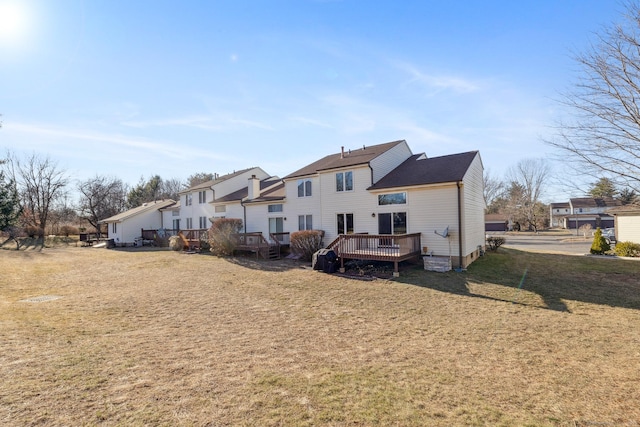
x=396, y=272
x=342, y=270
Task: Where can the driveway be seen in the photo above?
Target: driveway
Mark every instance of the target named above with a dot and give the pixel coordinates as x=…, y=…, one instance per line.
x=553, y=241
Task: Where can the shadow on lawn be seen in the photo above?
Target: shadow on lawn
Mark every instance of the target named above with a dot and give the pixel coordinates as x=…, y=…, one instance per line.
x=250, y=261
x=556, y=279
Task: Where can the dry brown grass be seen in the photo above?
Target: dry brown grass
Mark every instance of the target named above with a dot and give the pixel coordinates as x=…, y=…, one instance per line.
x=162, y=338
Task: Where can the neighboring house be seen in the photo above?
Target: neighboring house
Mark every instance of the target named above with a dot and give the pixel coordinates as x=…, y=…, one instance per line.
x=584, y=211
x=557, y=213
x=260, y=205
x=627, y=223
x=127, y=226
x=195, y=208
x=496, y=222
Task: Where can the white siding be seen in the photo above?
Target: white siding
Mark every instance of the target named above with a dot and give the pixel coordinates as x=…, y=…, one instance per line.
x=628, y=228
x=295, y=205
x=434, y=209
x=389, y=160
x=359, y=202
x=130, y=228
x=230, y=185
x=473, y=207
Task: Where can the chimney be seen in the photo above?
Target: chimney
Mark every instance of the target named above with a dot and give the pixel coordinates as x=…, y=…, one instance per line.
x=342, y=153
x=254, y=188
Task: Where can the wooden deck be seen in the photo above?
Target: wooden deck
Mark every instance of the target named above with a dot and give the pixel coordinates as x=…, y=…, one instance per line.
x=377, y=247
x=262, y=247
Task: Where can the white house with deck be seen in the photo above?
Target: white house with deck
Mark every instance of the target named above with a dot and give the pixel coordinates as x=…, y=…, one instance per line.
x=126, y=227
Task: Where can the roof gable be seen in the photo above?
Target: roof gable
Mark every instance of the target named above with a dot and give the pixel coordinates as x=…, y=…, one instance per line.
x=361, y=156
x=217, y=180
x=420, y=170
x=145, y=207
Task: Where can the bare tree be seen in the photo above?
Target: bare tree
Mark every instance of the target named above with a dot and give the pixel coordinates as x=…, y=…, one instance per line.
x=529, y=177
x=101, y=198
x=602, y=137
x=41, y=183
x=493, y=188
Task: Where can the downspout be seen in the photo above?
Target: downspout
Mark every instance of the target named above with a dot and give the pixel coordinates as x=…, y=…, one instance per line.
x=459, y=185
x=244, y=216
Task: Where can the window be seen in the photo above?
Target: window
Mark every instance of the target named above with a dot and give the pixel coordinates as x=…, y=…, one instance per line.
x=203, y=222
x=189, y=223
x=304, y=188
x=275, y=208
x=392, y=223
x=187, y=199
x=202, y=196
x=276, y=225
x=305, y=222
x=344, y=181
x=345, y=223
x=392, y=199
x=114, y=227
x=175, y=213
x=176, y=224
x=221, y=208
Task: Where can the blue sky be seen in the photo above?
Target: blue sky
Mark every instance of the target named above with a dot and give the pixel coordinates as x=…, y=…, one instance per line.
x=137, y=88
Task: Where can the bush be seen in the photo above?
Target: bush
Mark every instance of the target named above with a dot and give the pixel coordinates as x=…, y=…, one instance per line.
x=33, y=232
x=628, y=249
x=221, y=235
x=599, y=245
x=176, y=243
x=495, y=242
x=305, y=243
x=67, y=230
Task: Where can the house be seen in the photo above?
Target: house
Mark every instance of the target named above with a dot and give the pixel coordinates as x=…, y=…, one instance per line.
x=194, y=208
x=557, y=213
x=387, y=190
x=126, y=227
x=582, y=211
x=627, y=223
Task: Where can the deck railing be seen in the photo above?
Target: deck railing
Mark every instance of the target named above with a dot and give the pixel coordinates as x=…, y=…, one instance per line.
x=377, y=247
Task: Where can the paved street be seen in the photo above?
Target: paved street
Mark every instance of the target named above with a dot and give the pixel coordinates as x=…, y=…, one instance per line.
x=547, y=241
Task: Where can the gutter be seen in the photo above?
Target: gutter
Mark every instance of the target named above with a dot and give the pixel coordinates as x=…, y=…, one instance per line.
x=459, y=185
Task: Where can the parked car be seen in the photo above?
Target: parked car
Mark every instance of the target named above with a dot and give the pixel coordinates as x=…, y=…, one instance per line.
x=609, y=235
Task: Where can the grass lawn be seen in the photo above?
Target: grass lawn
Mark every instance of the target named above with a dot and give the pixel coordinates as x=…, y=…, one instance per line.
x=161, y=338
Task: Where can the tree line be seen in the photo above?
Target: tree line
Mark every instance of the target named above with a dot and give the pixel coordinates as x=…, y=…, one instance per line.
x=35, y=194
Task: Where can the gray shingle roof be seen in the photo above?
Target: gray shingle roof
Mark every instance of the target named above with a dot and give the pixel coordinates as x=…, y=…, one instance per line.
x=361, y=156
x=421, y=170
x=157, y=205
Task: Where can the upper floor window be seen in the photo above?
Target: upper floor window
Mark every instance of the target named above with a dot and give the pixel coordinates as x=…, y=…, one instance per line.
x=392, y=199
x=344, y=181
x=275, y=208
x=175, y=213
x=304, y=188
x=202, y=196
x=220, y=208
x=188, y=199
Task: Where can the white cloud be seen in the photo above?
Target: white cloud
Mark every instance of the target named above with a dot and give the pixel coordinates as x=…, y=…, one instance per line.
x=437, y=83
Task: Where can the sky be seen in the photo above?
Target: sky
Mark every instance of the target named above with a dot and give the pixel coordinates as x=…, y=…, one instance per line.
x=132, y=89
